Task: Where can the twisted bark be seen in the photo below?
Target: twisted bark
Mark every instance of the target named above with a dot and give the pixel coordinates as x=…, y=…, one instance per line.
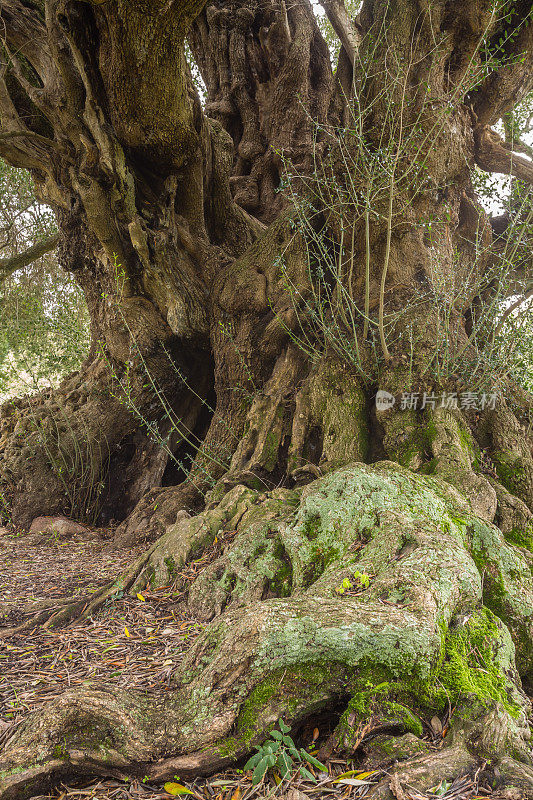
x=382, y=559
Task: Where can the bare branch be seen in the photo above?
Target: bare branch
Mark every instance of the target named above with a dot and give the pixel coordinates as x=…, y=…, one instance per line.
x=343, y=25
x=10, y=265
x=493, y=154
x=511, y=309
x=513, y=139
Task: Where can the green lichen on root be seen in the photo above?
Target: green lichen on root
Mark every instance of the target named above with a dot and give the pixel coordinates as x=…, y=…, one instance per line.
x=476, y=655
x=411, y=643
x=521, y=537
x=475, y=665
x=510, y=471
x=507, y=586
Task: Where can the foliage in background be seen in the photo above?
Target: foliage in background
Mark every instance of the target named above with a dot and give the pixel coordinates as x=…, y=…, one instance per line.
x=353, y=7
x=44, y=326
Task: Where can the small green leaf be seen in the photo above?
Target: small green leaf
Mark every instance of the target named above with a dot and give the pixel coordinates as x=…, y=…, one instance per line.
x=260, y=771
x=277, y=735
x=314, y=761
x=284, y=728
x=306, y=774
x=253, y=761
x=284, y=764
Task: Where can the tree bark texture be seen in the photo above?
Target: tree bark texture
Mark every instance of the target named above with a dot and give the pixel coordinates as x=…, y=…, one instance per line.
x=198, y=278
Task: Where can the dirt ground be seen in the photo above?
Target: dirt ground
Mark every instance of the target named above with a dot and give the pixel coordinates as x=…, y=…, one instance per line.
x=137, y=642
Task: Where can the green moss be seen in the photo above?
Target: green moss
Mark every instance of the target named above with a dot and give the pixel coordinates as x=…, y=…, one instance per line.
x=60, y=751
x=281, y=584
x=429, y=467
x=171, y=566
x=522, y=537
x=409, y=721
x=468, y=444
x=510, y=471
x=472, y=666
x=255, y=703
x=311, y=528
x=398, y=748
x=431, y=431
x=229, y=747
x=507, y=583
x=284, y=691
x=380, y=703
x=8, y=773
x=272, y=442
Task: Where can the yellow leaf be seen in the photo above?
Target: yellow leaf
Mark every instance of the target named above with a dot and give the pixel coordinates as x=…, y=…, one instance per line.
x=360, y=776
x=140, y=597
x=176, y=789
x=236, y=794
x=126, y=631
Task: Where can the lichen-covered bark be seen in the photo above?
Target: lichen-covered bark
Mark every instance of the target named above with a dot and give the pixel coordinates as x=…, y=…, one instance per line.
x=366, y=587
x=378, y=560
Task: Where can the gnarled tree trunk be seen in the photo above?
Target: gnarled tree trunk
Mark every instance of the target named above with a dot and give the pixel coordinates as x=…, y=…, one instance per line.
x=201, y=285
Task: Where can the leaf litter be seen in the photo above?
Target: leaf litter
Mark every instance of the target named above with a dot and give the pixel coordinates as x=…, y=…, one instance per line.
x=137, y=643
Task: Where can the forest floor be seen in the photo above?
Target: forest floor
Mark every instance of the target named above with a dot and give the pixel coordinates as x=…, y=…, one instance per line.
x=137, y=643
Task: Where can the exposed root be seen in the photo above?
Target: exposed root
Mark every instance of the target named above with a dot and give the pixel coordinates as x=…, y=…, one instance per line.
x=304, y=419
x=439, y=442
x=157, y=510
x=518, y=774
x=512, y=454
x=389, y=621
x=419, y=775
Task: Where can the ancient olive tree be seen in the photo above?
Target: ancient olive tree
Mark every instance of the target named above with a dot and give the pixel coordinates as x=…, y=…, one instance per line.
x=256, y=267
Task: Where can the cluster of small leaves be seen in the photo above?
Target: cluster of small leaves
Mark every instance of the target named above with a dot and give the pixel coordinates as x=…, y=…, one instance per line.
x=361, y=581
x=280, y=753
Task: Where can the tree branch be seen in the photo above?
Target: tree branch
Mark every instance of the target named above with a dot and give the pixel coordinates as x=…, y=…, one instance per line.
x=10, y=265
x=494, y=155
x=511, y=309
x=343, y=25
x=506, y=86
x=27, y=134
x=512, y=137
